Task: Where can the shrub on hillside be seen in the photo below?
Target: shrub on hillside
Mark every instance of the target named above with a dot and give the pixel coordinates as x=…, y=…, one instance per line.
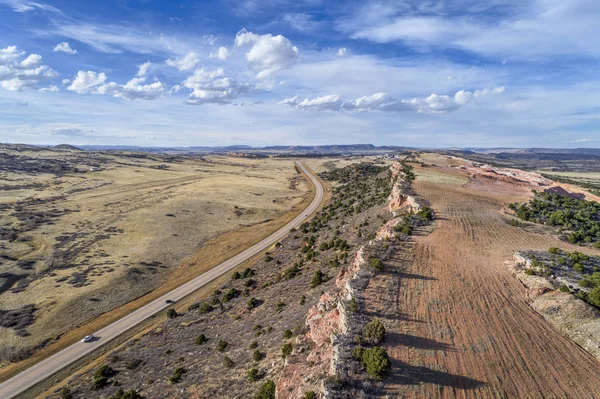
x=266, y=391
x=374, y=332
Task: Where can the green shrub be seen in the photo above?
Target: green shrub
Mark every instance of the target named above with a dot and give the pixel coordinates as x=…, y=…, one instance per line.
x=280, y=306
x=253, y=375
x=131, y=394
x=287, y=349
x=287, y=334
x=594, y=296
x=172, y=313
x=376, y=362
x=554, y=250
x=252, y=303
x=222, y=345
x=133, y=364
x=194, y=306
x=66, y=393
x=352, y=305
x=254, y=345
x=374, y=332
x=201, y=339
x=230, y=294
x=266, y=391
x=227, y=362
x=318, y=279
x=376, y=264
x=564, y=288
x=258, y=355
x=529, y=272
x=302, y=300
x=357, y=353
x=578, y=267
x=236, y=276
x=310, y=395
x=206, y=308
x=99, y=383
x=177, y=374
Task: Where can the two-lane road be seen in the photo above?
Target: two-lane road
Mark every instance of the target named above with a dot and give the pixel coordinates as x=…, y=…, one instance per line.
x=54, y=363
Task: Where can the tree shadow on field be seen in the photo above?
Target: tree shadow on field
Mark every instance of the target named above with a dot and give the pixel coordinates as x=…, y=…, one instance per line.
x=414, y=276
x=412, y=341
x=406, y=374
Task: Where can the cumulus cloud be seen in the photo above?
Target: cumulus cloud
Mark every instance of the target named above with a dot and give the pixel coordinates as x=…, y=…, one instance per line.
x=31, y=61
x=268, y=53
x=222, y=53
x=143, y=70
x=134, y=89
x=185, y=63
x=65, y=47
x=49, y=89
x=213, y=87
x=94, y=83
x=384, y=102
x=16, y=75
x=342, y=51
x=86, y=82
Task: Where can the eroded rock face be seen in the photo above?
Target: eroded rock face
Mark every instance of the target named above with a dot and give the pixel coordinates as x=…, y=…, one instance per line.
x=328, y=322
x=400, y=202
x=575, y=318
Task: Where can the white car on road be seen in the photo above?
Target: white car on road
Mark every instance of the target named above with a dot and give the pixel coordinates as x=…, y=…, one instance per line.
x=87, y=338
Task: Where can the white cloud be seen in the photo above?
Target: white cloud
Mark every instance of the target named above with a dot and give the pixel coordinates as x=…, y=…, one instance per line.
x=26, y=5
x=213, y=87
x=342, y=51
x=49, y=89
x=222, y=53
x=31, y=61
x=185, y=63
x=9, y=55
x=525, y=29
x=384, y=102
x=86, y=82
x=134, y=89
x=268, y=53
x=64, y=47
x=16, y=75
x=94, y=83
x=143, y=69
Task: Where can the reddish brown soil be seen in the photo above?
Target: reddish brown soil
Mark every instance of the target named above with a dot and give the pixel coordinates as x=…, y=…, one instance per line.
x=458, y=323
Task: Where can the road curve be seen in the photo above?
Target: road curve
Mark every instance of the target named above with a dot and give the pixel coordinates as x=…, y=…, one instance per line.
x=47, y=367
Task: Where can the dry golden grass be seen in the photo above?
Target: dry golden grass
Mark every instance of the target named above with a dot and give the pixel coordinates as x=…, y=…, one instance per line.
x=205, y=229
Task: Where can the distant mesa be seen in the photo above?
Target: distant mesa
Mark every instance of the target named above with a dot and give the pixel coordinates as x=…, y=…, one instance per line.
x=67, y=147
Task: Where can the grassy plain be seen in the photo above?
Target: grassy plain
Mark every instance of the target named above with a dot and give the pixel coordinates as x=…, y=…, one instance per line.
x=113, y=227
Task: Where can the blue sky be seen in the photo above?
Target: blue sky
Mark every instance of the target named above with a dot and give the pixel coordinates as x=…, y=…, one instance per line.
x=443, y=73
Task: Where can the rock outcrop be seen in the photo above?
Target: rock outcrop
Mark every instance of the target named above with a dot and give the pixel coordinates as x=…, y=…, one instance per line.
x=322, y=354
x=575, y=318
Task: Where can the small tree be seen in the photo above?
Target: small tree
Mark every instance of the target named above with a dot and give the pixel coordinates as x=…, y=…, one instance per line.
x=177, y=374
x=222, y=345
x=258, y=355
x=66, y=393
x=376, y=362
x=317, y=279
x=172, y=313
x=287, y=349
x=266, y=391
x=227, y=362
x=252, y=303
x=374, y=332
x=253, y=375
x=201, y=339
x=376, y=264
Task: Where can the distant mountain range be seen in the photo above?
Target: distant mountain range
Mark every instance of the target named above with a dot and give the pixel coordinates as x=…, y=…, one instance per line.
x=341, y=149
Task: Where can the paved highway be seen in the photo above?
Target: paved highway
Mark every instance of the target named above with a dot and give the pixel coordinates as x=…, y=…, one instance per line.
x=54, y=363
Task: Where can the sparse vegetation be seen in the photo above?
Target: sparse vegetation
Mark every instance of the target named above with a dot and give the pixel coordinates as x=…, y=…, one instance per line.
x=374, y=332
x=266, y=391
